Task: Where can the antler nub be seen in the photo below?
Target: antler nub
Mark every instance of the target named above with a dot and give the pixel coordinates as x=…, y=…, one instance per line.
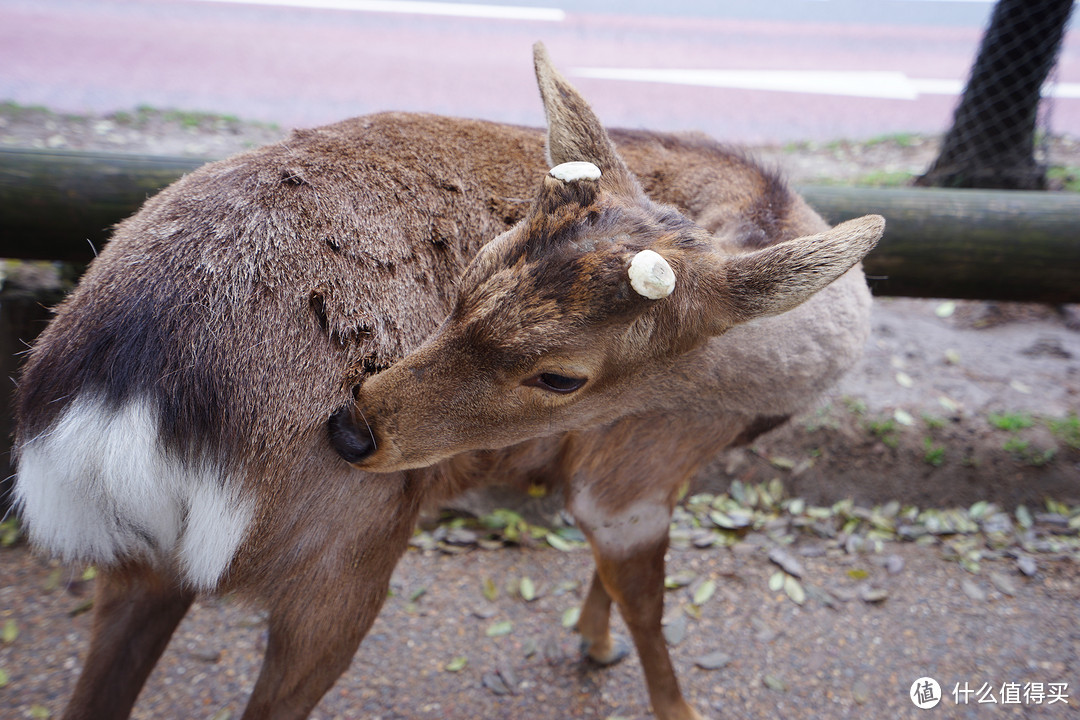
x=574, y=171
x=651, y=276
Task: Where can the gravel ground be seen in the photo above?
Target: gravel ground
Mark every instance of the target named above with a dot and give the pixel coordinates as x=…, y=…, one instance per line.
x=980, y=596
x=836, y=656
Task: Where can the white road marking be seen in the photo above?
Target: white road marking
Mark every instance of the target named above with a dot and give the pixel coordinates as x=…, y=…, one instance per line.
x=866, y=84
x=497, y=12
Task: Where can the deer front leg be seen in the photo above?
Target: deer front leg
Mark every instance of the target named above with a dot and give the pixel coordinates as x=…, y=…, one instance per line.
x=136, y=611
x=635, y=581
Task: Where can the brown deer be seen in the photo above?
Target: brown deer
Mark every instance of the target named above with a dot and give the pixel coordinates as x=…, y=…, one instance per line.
x=282, y=357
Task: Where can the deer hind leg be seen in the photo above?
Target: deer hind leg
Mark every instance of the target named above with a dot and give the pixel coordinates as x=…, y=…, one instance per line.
x=305, y=655
x=136, y=611
x=325, y=603
x=594, y=626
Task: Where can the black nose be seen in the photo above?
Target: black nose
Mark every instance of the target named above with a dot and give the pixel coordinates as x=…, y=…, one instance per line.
x=352, y=443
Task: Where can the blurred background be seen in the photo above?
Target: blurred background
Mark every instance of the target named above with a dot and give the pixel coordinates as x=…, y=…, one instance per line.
x=774, y=71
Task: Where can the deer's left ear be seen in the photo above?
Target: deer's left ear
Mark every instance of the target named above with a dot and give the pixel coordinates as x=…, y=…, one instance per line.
x=574, y=132
x=781, y=277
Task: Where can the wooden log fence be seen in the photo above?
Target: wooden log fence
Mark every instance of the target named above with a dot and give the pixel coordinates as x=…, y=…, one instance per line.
x=999, y=245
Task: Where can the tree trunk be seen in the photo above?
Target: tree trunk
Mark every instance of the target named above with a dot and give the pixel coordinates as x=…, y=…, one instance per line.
x=992, y=140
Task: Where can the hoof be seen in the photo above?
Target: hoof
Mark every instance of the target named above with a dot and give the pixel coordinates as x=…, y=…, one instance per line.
x=619, y=649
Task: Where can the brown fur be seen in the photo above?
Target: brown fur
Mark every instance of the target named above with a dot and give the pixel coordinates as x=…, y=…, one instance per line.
x=249, y=299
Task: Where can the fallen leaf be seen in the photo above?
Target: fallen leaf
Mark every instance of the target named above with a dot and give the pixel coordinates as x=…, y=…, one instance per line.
x=903, y=416
x=704, y=591
x=1020, y=387
x=774, y=683
x=734, y=520
x=491, y=590
x=675, y=631
x=527, y=589
x=570, y=616
x=873, y=595
x=1003, y=583
x=948, y=403
x=786, y=561
x=783, y=463
x=9, y=632
x=456, y=664
x=679, y=579
x=495, y=684
x=776, y=581
x=794, y=590
x=1027, y=565
x=972, y=590
x=713, y=661
x=558, y=543
x=945, y=309
x=504, y=627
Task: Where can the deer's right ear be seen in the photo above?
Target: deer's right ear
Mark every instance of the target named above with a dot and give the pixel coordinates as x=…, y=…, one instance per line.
x=574, y=132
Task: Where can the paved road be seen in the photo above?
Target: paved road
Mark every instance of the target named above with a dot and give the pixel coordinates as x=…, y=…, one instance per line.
x=775, y=71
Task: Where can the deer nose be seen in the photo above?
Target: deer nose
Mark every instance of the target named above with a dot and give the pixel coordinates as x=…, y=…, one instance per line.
x=352, y=443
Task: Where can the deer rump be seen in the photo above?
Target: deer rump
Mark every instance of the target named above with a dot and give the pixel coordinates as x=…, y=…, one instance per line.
x=172, y=419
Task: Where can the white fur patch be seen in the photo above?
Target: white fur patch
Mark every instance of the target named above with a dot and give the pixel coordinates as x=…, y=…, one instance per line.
x=574, y=171
x=98, y=487
x=651, y=276
x=619, y=533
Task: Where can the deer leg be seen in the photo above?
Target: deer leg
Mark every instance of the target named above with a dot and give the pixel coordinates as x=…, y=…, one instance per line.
x=312, y=638
x=634, y=579
x=136, y=611
x=594, y=626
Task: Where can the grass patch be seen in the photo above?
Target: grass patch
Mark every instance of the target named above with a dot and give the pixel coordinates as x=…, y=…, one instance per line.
x=1068, y=177
x=933, y=422
x=902, y=140
x=885, y=430
x=1067, y=430
x=934, y=454
x=1011, y=422
x=1024, y=452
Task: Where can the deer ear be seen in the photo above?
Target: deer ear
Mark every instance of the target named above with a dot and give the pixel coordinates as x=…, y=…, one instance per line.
x=781, y=277
x=574, y=132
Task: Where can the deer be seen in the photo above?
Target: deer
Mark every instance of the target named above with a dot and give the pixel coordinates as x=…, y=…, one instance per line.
x=281, y=359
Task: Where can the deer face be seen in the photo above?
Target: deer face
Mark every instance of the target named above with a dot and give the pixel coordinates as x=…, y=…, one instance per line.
x=550, y=331
x=566, y=320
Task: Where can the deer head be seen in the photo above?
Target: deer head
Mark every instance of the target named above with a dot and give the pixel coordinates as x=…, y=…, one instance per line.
x=570, y=318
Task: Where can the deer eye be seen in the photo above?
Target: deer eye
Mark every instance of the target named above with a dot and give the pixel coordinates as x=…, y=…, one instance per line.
x=555, y=383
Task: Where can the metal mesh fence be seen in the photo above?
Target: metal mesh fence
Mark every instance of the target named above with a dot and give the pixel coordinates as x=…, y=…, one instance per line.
x=995, y=140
